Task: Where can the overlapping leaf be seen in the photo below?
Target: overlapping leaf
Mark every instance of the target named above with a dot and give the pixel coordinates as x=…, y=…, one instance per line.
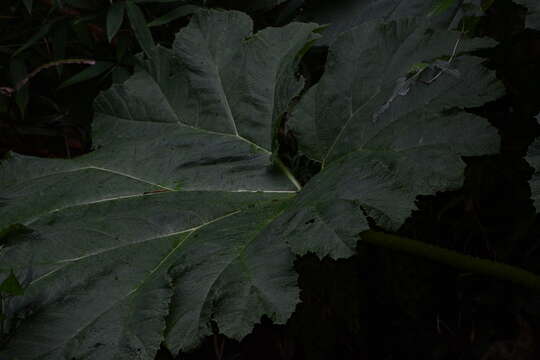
x=444, y=14
x=387, y=123
x=351, y=13
x=163, y=228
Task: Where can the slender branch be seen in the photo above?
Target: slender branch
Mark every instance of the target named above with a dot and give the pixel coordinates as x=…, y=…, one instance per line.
x=453, y=258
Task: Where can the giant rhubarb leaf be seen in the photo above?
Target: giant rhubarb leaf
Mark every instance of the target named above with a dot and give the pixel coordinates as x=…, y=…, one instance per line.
x=161, y=230
x=387, y=123
x=182, y=217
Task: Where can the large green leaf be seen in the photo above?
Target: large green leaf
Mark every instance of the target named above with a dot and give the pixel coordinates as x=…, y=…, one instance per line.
x=182, y=216
x=163, y=229
x=386, y=129
x=533, y=13
x=115, y=17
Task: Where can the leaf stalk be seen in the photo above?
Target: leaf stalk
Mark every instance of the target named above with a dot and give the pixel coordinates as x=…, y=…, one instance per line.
x=452, y=258
x=287, y=173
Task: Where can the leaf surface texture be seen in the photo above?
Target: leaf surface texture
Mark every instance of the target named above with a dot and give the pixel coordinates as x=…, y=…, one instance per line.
x=385, y=133
x=163, y=229
x=180, y=218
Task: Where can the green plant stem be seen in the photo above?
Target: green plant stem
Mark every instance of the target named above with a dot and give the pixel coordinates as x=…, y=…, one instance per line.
x=288, y=173
x=453, y=258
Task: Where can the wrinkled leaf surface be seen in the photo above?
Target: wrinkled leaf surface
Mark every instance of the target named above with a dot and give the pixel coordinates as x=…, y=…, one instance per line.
x=386, y=130
x=163, y=229
x=180, y=217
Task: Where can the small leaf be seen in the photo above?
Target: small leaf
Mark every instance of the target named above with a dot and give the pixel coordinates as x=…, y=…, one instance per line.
x=82, y=34
x=44, y=30
x=85, y=19
x=18, y=72
x=138, y=24
x=59, y=43
x=115, y=17
x=11, y=286
x=173, y=15
x=28, y=4
x=91, y=72
x=122, y=46
x=441, y=7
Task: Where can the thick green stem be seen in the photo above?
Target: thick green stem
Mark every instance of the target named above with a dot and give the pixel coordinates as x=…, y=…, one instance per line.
x=453, y=258
x=288, y=173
